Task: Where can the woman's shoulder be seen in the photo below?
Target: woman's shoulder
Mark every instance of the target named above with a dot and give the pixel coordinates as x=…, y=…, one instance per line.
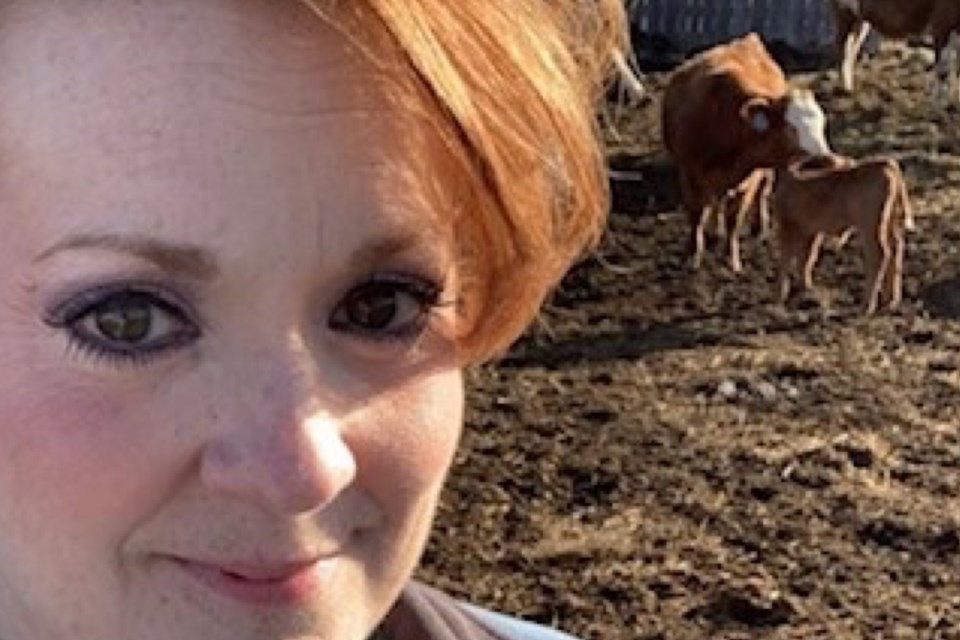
x=424, y=613
x=511, y=628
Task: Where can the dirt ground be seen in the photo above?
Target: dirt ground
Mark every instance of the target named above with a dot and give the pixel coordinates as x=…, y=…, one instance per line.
x=668, y=455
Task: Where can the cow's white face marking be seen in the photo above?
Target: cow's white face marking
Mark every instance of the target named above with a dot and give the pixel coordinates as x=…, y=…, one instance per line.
x=806, y=117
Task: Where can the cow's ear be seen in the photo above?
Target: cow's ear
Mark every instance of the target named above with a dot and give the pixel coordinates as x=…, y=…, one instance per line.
x=757, y=112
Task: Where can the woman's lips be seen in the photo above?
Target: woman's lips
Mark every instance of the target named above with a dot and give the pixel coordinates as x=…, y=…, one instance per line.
x=283, y=584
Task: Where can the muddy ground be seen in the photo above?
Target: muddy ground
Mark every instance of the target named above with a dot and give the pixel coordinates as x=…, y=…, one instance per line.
x=669, y=455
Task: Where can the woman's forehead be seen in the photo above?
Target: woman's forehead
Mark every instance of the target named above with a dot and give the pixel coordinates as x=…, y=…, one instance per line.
x=139, y=67
x=122, y=75
x=176, y=108
x=186, y=49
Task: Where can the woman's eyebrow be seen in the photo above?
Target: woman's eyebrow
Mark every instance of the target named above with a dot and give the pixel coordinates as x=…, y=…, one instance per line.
x=427, y=238
x=183, y=259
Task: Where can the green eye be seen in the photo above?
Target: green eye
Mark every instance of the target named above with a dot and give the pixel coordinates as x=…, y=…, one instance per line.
x=125, y=323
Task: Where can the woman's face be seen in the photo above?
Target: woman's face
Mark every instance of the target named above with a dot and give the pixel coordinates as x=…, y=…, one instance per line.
x=229, y=395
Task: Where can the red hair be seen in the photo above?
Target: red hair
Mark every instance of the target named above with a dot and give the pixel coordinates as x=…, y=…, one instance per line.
x=515, y=86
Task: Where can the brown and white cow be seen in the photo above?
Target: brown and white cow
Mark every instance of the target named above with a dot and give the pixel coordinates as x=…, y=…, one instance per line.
x=899, y=19
x=832, y=196
x=726, y=112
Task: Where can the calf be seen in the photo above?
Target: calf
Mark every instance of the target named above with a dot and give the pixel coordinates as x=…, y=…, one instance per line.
x=832, y=195
x=726, y=112
x=899, y=19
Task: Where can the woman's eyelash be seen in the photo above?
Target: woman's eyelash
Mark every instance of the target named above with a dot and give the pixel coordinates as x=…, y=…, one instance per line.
x=84, y=349
x=86, y=315
x=375, y=311
x=72, y=306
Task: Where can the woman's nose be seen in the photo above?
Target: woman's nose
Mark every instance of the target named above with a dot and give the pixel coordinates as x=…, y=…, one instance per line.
x=290, y=456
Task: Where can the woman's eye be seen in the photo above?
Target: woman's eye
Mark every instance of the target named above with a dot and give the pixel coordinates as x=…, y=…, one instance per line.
x=126, y=324
x=387, y=308
x=128, y=321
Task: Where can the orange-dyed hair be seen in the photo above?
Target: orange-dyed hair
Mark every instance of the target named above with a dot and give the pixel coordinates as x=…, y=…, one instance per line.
x=515, y=84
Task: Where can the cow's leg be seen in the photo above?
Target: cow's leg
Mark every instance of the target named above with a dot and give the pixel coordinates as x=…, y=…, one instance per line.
x=877, y=258
x=853, y=31
x=810, y=252
x=951, y=62
x=721, y=212
x=698, y=223
x=697, y=213
x=733, y=251
x=841, y=240
x=893, y=285
x=760, y=210
x=906, y=208
x=877, y=266
x=792, y=247
x=946, y=68
x=734, y=210
x=785, y=258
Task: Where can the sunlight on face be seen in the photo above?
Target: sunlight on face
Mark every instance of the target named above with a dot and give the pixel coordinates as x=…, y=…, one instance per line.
x=230, y=392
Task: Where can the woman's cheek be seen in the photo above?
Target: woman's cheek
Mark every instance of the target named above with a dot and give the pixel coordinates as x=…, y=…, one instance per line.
x=78, y=448
x=409, y=438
